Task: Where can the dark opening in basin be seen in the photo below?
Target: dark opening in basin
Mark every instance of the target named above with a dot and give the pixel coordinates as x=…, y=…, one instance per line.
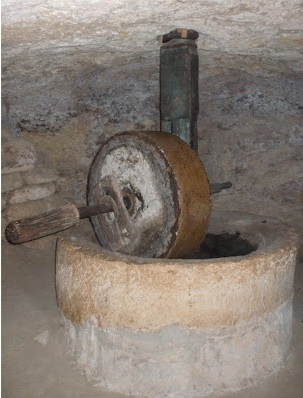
x=224, y=245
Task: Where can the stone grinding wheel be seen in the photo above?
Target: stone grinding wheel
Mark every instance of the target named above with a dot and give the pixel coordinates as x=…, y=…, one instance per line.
x=148, y=196
x=170, y=190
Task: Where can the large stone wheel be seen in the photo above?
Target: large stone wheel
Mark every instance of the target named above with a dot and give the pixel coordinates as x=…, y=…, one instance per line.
x=161, y=191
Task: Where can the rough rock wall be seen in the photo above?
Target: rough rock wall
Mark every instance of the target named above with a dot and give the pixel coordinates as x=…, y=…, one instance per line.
x=251, y=133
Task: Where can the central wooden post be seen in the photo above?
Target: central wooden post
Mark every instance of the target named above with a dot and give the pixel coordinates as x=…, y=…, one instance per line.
x=179, y=96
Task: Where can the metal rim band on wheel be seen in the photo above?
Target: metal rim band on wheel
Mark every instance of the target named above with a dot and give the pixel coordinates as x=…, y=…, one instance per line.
x=160, y=190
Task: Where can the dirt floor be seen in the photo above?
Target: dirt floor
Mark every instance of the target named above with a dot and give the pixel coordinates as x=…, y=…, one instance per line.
x=34, y=356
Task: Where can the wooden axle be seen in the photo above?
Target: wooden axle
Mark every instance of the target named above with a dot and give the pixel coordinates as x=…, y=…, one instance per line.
x=64, y=217
x=57, y=220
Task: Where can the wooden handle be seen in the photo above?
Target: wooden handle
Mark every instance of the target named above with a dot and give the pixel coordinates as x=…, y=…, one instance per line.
x=45, y=224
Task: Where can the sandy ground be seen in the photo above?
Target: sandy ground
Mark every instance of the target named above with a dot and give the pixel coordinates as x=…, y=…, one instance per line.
x=35, y=362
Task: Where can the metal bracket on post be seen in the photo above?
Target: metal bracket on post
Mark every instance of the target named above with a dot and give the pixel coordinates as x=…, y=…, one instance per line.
x=179, y=96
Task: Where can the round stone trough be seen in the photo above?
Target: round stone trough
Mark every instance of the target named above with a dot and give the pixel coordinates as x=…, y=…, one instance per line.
x=182, y=328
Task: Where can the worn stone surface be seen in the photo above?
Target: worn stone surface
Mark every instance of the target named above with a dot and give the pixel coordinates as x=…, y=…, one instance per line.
x=40, y=176
x=11, y=181
x=4, y=200
x=165, y=292
x=159, y=327
x=251, y=133
x=181, y=362
x=3, y=226
x=265, y=28
x=32, y=192
x=17, y=155
x=70, y=44
x=29, y=302
x=73, y=185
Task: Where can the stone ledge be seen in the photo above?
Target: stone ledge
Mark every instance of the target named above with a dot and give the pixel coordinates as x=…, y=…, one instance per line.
x=17, y=155
x=39, y=177
x=11, y=181
x=32, y=192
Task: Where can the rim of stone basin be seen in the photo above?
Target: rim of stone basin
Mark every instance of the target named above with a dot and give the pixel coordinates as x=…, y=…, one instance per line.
x=123, y=291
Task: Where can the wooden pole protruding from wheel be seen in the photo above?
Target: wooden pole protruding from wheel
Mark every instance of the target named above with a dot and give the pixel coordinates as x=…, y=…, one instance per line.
x=27, y=229
x=53, y=221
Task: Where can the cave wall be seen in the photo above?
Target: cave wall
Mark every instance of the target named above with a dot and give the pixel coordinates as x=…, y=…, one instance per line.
x=251, y=133
x=73, y=75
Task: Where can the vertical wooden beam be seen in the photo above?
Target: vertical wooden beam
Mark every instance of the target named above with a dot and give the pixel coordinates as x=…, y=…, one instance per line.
x=179, y=96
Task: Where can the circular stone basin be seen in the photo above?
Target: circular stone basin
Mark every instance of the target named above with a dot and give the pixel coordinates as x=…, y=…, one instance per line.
x=182, y=328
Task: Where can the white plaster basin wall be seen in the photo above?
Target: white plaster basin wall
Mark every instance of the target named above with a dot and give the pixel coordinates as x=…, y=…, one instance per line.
x=176, y=328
